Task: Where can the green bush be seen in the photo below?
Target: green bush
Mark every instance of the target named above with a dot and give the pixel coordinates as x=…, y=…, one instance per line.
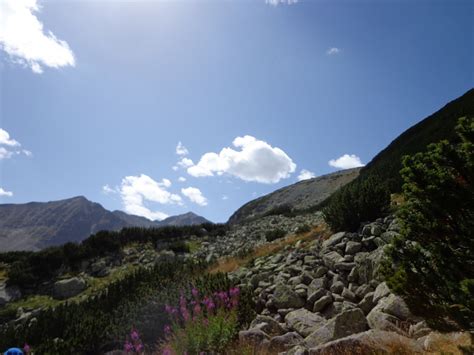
x=274, y=234
x=303, y=229
x=432, y=263
x=363, y=200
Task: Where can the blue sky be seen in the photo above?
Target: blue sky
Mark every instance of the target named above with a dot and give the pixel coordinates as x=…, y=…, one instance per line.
x=105, y=101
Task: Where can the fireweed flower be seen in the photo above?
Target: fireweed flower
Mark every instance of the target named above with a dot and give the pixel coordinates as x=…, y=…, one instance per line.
x=128, y=347
x=195, y=292
x=134, y=335
x=167, y=351
x=167, y=329
x=138, y=347
x=26, y=348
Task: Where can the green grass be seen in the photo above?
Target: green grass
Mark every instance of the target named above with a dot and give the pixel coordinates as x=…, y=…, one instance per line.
x=194, y=245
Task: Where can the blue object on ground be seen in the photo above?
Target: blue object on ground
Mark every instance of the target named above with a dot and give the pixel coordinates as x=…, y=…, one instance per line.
x=13, y=351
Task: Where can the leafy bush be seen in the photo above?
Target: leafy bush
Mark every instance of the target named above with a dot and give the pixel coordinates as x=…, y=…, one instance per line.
x=203, y=324
x=433, y=260
x=363, y=200
x=274, y=234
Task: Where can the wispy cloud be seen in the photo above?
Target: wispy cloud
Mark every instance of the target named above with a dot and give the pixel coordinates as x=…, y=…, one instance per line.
x=4, y=193
x=181, y=149
x=194, y=195
x=346, y=162
x=305, y=175
x=281, y=2
x=22, y=36
x=255, y=160
x=333, y=51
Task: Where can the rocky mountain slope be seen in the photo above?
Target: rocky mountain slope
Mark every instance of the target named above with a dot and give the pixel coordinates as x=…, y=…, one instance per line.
x=301, y=195
x=36, y=225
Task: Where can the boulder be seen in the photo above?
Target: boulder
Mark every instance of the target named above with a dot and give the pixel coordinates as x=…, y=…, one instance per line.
x=254, y=337
x=316, y=284
x=337, y=287
x=381, y=291
x=303, y=321
x=267, y=324
x=377, y=319
x=396, y=306
x=284, y=342
x=367, y=303
x=285, y=297
x=344, y=324
x=353, y=247
x=333, y=240
x=369, y=342
x=64, y=289
x=320, y=304
x=332, y=258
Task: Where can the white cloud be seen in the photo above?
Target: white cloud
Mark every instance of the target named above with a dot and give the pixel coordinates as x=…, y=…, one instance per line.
x=195, y=195
x=225, y=197
x=305, y=175
x=6, y=140
x=278, y=2
x=181, y=179
x=23, y=38
x=346, y=162
x=12, y=146
x=135, y=190
x=333, y=51
x=255, y=161
x=181, y=149
x=106, y=189
x=5, y=193
x=175, y=168
x=185, y=163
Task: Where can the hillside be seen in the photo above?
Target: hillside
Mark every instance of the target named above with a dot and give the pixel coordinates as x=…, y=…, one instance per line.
x=300, y=196
x=36, y=225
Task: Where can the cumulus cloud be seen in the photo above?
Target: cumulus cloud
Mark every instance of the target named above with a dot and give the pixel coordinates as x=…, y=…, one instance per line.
x=195, y=195
x=333, y=51
x=136, y=190
x=346, y=162
x=283, y=2
x=255, y=160
x=225, y=197
x=185, y=163
x=181, y=149
x=10, y=147
x=5, y=193
x=305, y=175
x=22, y=36
x=181, y=179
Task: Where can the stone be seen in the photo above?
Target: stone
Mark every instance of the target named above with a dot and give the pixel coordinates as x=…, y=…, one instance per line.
x=331, y=258
x=377, y=319
x=342, y=325
x=348, y=294
x=353, y=247
x=320, y=304
x=267, y=324
x=256, y=279
x=369, y=342
x=320, y=271
x=316, y=284
x=9, y=294
x=381, y=291
x=284, y=342
x=367, y=303
x=333, y=240
x=64, y=289
x=337, y=287
x=344, y=266
x=297, y=350
x=388, y=237
x=316, y=295
x=285, y=297
x=376, y=230
x=396, y=306
x=419, y=330
x=362, y=290
x=303, y=321
x=254, y=337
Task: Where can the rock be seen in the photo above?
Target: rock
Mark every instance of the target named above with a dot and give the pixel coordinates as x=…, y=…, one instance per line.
x=396, y=306
x=320, y=304
x=333, y=240
x=256, y=279
x=388, y=237
x=284, y=342
x=285, y=297
x=376, y=230
x=297, y=350
x=366, y=230
x=9, y=294
x=64, y=289
x=353, y=247
x=367, y=303
x=419, y=330
x=369, y=342
x=267, y=324
x=331, y=258
x=377, y=319
x=253, y=337
x=317, y=284
x=168, y=256
x=394, y=226
x=381, y=291
x=362, y=290
x=337, y=287
x=368, y=265
x=448, y=343
x=316, y=295
x=303, y=321
x=344, y=324
x=344, y=266
x=320, y=271
x=348, y=294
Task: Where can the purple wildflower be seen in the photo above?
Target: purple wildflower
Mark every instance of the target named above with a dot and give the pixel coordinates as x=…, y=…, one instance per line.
x=195, y=292
x=128, y=347
x=167, y=351
x=167, y=329
x=26, y=348
x=134, y=335
x=139, y=347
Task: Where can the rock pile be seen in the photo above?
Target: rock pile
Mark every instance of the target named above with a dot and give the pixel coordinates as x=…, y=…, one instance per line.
x=309, y=298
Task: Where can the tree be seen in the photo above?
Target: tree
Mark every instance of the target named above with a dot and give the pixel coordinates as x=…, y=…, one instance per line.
x=432, y=262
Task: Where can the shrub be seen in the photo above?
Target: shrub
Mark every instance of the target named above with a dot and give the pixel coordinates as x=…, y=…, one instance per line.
x=363, y=200
x=203, y=324
x=303, y=229
x=274, y=234
x=433, y=259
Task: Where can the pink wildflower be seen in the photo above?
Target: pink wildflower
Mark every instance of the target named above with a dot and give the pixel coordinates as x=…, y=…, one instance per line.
x=128, y=347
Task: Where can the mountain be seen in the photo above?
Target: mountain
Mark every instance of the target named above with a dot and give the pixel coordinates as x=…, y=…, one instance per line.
x=301, y=195
x=36, y=225
x=185, y=219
